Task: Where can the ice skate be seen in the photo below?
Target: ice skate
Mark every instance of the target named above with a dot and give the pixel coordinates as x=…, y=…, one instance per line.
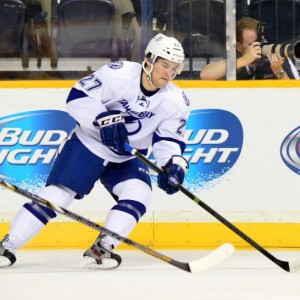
x=100, y=256
x=6, y=257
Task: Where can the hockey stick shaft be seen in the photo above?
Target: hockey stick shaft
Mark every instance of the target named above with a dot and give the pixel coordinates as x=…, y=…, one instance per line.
x=282, y=264
x=219, y=255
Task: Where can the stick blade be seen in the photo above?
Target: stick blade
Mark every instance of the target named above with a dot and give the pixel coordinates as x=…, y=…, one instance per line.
x=215, y=257
x=294, y=266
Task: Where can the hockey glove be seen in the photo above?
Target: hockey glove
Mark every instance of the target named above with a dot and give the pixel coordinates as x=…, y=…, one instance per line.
x=113, y=132
x=173, y=174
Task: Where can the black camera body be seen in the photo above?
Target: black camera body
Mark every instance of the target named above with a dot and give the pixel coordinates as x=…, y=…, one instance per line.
x=261, y=34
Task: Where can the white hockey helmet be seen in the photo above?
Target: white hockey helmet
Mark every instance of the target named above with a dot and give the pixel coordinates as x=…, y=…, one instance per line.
x=166, y=47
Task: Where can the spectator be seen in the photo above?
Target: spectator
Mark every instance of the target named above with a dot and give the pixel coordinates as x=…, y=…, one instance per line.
x=250, y=64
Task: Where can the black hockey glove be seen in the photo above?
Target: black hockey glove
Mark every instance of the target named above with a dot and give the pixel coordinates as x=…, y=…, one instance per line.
x=113, y=132
x=174, y=172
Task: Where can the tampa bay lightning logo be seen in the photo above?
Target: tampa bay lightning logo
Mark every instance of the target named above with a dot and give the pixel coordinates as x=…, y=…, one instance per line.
x=290, y=150
x=133, y=125
x=115, y=65
x=143, y=101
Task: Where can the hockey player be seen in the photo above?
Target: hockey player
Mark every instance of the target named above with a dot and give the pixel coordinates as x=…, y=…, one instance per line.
x=121, y=102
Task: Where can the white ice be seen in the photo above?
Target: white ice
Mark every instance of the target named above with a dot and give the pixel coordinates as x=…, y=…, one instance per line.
x=55, y=275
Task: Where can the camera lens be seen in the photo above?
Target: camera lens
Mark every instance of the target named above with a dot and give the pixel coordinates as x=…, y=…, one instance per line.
x=297, y=50
x=284, y=50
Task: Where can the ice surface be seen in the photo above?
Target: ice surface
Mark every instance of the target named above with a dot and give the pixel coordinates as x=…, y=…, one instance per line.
x=55, y=275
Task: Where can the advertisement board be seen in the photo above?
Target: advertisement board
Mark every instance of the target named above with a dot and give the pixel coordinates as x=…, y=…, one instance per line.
x=242, y=146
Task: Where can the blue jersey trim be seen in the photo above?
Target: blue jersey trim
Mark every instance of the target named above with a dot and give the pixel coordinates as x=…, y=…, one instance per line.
x=75, y=94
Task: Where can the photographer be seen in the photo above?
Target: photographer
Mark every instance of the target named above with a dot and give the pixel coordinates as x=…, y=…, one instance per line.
x=250, y=63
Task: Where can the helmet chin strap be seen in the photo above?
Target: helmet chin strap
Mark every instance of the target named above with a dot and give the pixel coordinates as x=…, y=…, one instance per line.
x=148, y=73
x=149, y=79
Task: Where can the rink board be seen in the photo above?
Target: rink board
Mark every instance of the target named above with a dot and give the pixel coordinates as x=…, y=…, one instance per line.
x=257, y=191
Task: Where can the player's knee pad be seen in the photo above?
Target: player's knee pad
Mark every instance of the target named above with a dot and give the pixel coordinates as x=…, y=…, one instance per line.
x=58, y=195
x=134, y=189
x=131, y=207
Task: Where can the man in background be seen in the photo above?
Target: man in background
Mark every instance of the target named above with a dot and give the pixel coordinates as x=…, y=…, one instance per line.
x=250, y=64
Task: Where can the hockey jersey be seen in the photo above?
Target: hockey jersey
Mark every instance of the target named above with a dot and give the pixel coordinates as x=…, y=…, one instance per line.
x=151, y=119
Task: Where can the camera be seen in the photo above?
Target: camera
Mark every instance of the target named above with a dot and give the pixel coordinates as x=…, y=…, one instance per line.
x=284, y=50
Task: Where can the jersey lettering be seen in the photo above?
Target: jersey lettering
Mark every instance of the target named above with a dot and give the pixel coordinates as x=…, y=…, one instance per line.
x=90, y=83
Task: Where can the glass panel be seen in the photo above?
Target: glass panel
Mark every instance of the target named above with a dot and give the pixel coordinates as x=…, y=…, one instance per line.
x=279, y=25
x=64, y=39
x=259, y=25
x=44, y=39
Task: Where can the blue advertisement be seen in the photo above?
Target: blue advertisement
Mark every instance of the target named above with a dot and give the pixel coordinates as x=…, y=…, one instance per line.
x=29, y=142
x=290, y=150
x=214, y=143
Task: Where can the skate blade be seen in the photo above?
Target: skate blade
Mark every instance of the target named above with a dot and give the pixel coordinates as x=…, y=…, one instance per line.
x=90, y=263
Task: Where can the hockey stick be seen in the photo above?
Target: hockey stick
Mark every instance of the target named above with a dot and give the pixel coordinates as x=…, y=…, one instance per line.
x=215, y=257
x=289, y=266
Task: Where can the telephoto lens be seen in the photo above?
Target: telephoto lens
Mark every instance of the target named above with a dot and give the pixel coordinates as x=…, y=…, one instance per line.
x=284, y=50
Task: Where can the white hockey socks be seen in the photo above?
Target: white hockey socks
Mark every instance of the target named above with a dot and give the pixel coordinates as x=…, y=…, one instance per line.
x=24, y=227
x=120, y=222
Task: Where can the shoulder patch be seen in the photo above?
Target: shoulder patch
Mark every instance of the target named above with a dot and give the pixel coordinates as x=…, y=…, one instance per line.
x=186, y=100
x=115, y=65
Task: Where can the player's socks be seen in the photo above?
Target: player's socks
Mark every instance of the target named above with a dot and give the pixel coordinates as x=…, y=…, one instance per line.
x=100, y=255
x=7, y=258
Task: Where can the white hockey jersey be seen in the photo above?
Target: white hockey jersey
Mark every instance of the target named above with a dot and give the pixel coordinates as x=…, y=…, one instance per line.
x=157, y=119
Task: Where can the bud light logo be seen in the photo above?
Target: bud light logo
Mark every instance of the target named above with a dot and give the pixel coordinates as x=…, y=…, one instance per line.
x=290, y=150
x=214, y=140
x=28, y=145
x=214, y=143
